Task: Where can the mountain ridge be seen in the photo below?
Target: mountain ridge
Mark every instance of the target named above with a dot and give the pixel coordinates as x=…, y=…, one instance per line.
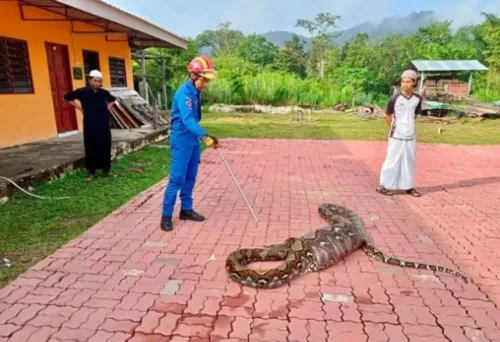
x=405, y=25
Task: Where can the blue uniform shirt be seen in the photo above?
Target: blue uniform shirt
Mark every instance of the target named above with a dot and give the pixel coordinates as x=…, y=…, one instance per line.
x=186, y=113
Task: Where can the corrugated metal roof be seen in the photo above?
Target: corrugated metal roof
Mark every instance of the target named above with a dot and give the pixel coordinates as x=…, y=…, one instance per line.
x=143, y=19
x=112, y=20
x=470, y=65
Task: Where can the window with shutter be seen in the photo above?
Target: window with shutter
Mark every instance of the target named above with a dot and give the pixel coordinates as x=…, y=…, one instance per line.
x=15, y=70
x=117, y=72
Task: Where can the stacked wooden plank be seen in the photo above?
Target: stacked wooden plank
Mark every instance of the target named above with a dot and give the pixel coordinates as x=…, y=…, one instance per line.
x=340, y=107
x=366, y=111
x=261, y=109
x=120, y=118
x=132, y=111
x=480, y=111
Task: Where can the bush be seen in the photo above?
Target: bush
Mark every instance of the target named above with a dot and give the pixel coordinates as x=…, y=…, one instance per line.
x=278, y=89
x=487, y=87
x=242, y=82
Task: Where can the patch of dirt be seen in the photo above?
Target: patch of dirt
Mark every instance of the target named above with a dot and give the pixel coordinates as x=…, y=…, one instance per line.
x=141, y=161
x=135, y=169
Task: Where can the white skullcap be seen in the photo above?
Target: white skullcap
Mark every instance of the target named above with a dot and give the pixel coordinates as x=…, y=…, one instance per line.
x=410, y=74
x=96, y=74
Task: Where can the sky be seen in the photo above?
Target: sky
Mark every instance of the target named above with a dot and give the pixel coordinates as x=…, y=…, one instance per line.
x=189, y=18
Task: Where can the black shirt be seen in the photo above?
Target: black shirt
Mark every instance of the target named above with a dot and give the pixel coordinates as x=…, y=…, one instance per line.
x=94, y=103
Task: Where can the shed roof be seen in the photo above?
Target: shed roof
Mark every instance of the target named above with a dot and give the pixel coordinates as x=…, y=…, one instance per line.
x=111, y=20
x=448, y=65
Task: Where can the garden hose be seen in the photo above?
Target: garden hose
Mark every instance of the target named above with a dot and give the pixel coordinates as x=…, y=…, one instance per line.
x=29, y=193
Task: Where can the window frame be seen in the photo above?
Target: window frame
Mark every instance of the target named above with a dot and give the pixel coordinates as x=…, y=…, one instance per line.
x=27, y=65
x=110, y=58
x=84, y=51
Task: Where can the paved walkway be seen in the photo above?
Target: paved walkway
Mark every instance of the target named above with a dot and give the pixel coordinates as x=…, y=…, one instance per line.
x=125, y=280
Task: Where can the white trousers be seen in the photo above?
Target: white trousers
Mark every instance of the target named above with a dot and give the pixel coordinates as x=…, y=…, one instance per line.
x=398, y=170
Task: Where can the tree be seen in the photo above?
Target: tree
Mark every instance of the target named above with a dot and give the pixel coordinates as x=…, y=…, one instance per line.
x=466, y=39
x=333, y=60
x=492, y=41
x=359, y=52
x=175, y=66
x=435, y=41
x=223, y=41
x=389, y=56
x=321, y=37
x=292, y=57
x=257, y=49
x=491, y=19
x=252, y=70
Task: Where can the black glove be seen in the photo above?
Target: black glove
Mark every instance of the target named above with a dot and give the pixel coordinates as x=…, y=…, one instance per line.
x=211, y=141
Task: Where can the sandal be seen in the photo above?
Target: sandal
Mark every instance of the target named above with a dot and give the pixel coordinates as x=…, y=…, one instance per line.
x=413, y=192
x=384, y=191
x=111, y=174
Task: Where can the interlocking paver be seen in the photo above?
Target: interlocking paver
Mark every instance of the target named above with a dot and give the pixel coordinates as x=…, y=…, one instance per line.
x=68, y=334
x=125, y=280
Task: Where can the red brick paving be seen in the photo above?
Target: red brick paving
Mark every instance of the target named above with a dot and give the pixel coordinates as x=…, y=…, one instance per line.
x=125, y=280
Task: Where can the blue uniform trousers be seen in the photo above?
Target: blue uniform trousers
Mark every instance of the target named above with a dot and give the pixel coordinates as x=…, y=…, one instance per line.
x=183, y=172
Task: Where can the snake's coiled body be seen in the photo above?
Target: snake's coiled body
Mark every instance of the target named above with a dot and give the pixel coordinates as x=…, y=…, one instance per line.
x=314, y=251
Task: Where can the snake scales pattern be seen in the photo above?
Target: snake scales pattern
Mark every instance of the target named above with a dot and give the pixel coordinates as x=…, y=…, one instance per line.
x=314, y=251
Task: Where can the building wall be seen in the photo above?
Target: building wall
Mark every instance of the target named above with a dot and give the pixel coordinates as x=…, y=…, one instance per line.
x=436, y=85
x=30, y=117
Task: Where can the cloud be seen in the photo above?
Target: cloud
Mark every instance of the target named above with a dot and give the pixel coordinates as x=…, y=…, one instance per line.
x=468, y=12
x=191, y=18
x=249, y=16
x=355, y=12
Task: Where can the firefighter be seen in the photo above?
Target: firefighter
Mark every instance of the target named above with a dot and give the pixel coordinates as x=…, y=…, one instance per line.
x=185, y=137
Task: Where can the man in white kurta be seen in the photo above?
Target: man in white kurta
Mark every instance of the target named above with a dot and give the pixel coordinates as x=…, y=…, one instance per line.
x=398, y=170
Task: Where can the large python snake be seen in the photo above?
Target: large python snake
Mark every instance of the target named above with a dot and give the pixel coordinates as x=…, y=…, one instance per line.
x=314, y=251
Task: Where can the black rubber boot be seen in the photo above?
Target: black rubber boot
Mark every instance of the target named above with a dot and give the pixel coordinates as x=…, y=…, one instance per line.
x=191, y=215
x=166, y=223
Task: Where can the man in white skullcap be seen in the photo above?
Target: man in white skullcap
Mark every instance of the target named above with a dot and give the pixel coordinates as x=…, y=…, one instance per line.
x=398, y=169
x=96, y=129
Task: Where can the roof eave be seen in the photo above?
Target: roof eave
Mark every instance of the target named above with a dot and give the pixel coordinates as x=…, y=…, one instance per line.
x=478, y=66
x=161, y=37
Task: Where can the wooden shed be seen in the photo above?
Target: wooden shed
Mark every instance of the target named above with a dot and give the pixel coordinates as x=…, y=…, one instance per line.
x=439, y=77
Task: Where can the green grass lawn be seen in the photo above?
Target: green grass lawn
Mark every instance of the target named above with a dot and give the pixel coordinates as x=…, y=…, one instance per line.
x=341, y=126
x=31, y=229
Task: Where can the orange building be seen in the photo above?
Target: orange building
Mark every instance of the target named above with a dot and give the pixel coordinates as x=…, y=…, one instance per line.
x=47, y=47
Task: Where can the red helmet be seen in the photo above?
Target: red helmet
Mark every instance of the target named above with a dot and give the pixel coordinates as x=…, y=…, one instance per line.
x=202, y=66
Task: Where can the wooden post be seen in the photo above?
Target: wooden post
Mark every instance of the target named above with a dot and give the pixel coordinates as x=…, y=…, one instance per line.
x=300, y=115
x=154, y=106
x=144, y=81
x=164, y=80
x=422, y=80
x=470, y=84
x=158, y=99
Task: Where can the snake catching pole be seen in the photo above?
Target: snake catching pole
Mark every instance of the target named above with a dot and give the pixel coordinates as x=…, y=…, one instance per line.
x=238, y=185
